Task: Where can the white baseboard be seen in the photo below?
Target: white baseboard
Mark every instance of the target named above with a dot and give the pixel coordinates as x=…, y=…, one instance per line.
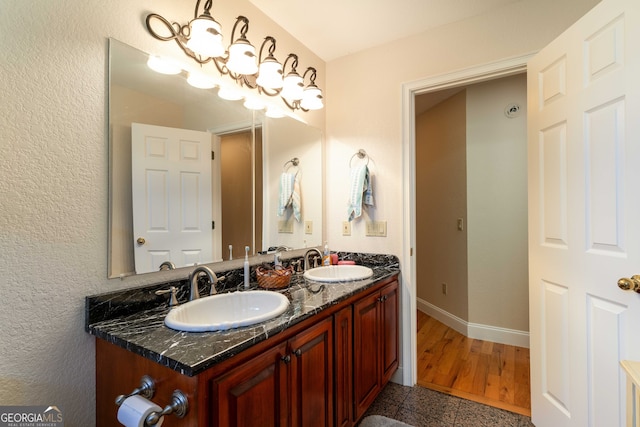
x=475, y=330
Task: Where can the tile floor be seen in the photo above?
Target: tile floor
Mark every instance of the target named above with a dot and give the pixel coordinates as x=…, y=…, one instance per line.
x=421, y=407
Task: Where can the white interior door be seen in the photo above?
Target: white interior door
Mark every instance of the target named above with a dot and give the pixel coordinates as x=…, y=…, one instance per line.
x=171, y=189
x=584, y=217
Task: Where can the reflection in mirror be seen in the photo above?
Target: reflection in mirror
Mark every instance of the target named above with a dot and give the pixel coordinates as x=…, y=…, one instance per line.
x=242, y=209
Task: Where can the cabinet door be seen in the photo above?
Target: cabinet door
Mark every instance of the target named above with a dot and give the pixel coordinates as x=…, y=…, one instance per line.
x=343, y=350
x=366, y=352
x=254, y=393
x=312, y=376
x=389, y=328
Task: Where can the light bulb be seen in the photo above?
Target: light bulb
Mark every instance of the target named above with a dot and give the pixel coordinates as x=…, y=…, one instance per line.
x=292, y=87
x=242, y=58
x=311, y=98
x=270, y=74
x=206, y=37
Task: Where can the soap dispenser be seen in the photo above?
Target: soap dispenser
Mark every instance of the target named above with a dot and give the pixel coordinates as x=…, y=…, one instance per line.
x=326, y=257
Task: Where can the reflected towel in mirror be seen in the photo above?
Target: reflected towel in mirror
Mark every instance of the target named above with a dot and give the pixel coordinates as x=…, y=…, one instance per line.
x=289, y=194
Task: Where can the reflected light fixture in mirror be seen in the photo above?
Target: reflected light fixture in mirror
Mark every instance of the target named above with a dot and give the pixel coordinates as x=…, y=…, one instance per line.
x=163, y=65
x=201, y=39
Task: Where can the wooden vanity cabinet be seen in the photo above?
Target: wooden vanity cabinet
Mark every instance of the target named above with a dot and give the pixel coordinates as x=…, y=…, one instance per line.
x=375, y=345
x=343, y=339
x=322, y=372
x=288, y=385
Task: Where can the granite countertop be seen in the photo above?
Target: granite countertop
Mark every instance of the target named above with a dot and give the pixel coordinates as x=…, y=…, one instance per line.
x=134, y=319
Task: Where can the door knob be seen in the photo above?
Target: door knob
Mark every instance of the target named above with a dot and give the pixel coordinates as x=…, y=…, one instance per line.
x=630, y=284
x=141, y=241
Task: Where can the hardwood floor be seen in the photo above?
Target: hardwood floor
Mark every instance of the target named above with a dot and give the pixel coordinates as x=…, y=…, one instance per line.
x=482, y=371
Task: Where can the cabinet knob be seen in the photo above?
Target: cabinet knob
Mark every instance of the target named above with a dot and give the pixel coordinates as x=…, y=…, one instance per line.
x=298, y=353
x=286, y=359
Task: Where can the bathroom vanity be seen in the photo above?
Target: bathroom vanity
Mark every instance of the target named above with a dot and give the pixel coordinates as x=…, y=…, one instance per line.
x=321, y=363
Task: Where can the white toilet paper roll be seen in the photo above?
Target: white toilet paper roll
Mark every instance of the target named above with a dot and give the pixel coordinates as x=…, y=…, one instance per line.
x=135, y=409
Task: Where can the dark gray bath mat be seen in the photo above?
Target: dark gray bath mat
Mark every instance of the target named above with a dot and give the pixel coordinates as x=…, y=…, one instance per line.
x=380, y=421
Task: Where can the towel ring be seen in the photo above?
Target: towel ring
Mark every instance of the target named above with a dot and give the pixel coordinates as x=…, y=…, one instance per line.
x=289, y=163
x=361, y=155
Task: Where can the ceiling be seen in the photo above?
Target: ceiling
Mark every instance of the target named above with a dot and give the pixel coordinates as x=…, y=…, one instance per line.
x=336, y=28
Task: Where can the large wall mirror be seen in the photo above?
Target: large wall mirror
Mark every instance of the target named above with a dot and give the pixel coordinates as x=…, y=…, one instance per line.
x=242, y=180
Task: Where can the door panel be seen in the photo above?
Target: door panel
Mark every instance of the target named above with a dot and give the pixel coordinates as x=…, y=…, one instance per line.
x=584, y=227
x=254, y=393
x=171, y=188
x=312, y=376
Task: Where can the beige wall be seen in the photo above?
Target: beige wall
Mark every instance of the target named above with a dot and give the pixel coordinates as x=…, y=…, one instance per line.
x=497, y=205
x=54, y=181
x=441, y=198
x=364, y=105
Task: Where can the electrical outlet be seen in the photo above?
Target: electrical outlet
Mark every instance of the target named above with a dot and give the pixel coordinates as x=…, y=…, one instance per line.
x=285, y=226
x=308, y=227
x=376, y=228
x=346, y=228
x=444, y=288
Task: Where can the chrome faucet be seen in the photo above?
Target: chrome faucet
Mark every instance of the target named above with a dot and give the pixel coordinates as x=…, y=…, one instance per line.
x=306, y=257
x=167, y=265
x=193, y=279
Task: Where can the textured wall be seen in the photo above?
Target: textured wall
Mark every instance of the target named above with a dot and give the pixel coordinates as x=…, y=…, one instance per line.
x=53, y=182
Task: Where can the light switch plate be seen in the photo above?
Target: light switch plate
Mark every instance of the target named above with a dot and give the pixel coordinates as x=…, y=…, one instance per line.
x=285, y=226
x=308, y=227
x=346, y=228
x=376, y=228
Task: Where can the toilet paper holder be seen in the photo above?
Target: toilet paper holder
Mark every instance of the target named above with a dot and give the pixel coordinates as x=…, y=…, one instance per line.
x=147, y=389
x=179, y=403
x=179, y=406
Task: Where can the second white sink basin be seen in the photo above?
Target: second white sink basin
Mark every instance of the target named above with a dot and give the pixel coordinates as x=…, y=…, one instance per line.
x=338, y=273
x=226, y=311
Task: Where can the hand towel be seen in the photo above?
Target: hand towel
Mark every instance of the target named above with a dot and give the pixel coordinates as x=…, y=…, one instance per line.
x=286, y=189
x=360, y=190
x=289, y=194
x=295, y=197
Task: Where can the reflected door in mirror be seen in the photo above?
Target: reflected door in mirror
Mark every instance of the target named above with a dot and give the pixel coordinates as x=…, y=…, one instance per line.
x=171, y=189
x=241, y=176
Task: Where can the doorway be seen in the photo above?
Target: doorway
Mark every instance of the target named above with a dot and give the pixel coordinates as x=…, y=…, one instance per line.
x=471, y=198
x=410, y=90
x=241, y=174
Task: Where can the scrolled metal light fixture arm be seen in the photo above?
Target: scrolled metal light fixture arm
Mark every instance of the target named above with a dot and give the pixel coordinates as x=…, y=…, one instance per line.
x=181, y=34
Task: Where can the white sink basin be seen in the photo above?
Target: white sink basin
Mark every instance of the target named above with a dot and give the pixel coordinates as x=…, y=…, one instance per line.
x=338, y=273
x=226, y=311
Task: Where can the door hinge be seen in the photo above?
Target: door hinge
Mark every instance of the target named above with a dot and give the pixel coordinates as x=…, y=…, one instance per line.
x=213, y=225
x=213, y=155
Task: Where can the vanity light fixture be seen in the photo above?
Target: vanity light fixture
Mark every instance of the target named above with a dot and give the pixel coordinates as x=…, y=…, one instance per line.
x=201, y=39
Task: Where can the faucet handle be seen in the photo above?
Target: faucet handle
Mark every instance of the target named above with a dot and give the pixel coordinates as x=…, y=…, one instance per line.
x=213, y=289
x=298, y=266
x=173, y=299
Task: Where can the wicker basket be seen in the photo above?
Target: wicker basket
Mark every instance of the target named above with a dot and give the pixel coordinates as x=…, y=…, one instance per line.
x=274, y=278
